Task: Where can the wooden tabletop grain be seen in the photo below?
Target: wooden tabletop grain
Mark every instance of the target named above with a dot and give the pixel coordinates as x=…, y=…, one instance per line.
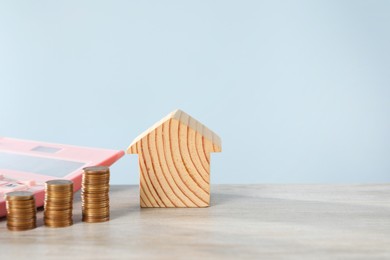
x=244, y=222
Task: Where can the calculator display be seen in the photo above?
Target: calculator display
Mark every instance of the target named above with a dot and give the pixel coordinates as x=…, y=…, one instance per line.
x=38, y=165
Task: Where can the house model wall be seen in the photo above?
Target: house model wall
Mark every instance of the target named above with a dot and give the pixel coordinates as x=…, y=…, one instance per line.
x=174, y=162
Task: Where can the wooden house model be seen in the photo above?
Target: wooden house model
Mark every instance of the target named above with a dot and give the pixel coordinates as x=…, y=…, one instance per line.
x=174, y=162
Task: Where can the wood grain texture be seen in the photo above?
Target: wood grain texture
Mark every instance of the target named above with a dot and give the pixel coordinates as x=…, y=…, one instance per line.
x=245, y=222
x=174, y=162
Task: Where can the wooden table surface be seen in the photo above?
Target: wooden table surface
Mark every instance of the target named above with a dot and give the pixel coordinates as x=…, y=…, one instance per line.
x=244, y=222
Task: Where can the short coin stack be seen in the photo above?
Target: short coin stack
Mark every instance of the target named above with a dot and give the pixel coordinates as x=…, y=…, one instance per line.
x=58, y=203
x=95, y=194
x=21, y=210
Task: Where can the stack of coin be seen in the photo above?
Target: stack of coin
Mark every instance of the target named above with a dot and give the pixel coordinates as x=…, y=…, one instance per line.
x=21, y=210
x=95, y=194
x=58, y=203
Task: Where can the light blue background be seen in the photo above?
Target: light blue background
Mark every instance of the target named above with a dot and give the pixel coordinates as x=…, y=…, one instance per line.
x=299, y=91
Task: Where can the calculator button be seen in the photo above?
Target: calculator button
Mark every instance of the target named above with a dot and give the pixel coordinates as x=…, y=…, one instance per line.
x=11, y=187
x=29, y=183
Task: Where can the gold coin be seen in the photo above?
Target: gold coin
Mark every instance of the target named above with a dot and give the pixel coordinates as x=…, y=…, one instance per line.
x=59, y=225
x=95, y=200
x=31, y=207
x=96, y=210
x=58, y=206
x=67, y=194
x=51, y=209
x=104, y=181
x=92, y=210
x=48, y=221
x=21, y=224
x=95, y=191
x=21, y=220
x=95, y=186
x=59, y=202
x=95, y=220
x=95, y=204
x=18, y=212
x=96, y=175
x=94, y=194
x=57, y=220
x=59, y=194
x=20, y=202
x=19, y=195
x=87, y=183
x=62, y=217
x=64, y=193
x=12, y=228
x=59, y=183
x=97, y=194
x=101, y=196
x=58, y=213
x=96, y=178
x=96, y=169
x=101, y=180
x=105, y=209
x=29, y=215
x=96, y=183
x=96, y=215
x=61, y=191
x=87, y=209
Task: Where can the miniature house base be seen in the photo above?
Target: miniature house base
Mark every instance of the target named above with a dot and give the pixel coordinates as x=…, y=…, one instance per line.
x=174, y=162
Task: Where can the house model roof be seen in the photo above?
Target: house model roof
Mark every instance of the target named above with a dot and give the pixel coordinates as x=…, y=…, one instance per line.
x=187, y=120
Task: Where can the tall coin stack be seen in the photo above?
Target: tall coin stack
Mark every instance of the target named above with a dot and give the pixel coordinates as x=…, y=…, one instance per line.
x=58, y=203
x=95, y=194
x=21, y=210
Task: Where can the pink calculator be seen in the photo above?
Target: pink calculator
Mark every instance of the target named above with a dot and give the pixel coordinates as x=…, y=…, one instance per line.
x=27, y=165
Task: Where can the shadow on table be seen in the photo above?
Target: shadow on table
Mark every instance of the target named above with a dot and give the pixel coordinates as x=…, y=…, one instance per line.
x=227, y=196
